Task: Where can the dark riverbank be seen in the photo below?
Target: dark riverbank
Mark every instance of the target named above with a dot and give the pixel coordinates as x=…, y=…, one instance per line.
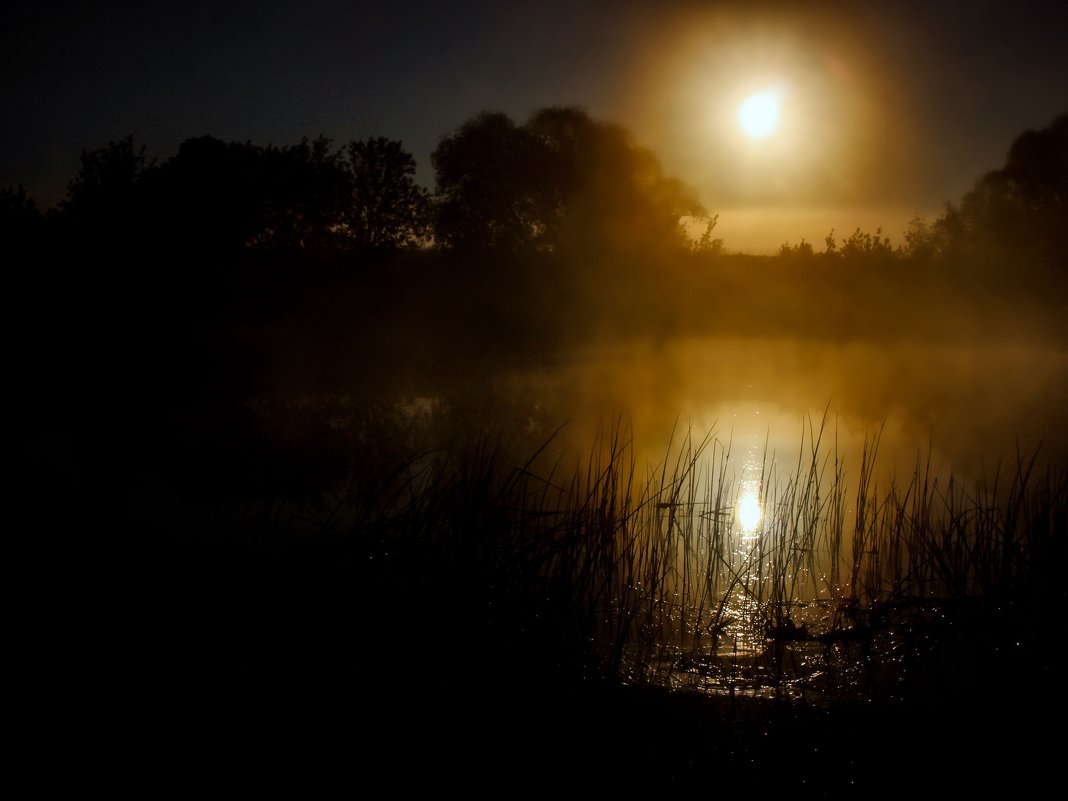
x=203, y=665
x=319, y=728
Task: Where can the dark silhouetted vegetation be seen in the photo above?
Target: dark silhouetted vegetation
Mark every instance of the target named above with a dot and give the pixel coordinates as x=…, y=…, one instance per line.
x=275, y=424
x=559, y=182
x=1020, y=208
x=389, y=209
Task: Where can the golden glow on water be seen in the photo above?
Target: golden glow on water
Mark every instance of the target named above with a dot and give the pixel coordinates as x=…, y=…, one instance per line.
x=749, y=512
x=763, y=577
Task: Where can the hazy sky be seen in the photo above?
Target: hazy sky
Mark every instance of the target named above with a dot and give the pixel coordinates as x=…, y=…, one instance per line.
x=888, y=108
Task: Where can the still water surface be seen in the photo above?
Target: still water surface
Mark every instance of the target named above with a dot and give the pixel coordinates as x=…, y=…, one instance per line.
x=785, y=596
x=966, y=405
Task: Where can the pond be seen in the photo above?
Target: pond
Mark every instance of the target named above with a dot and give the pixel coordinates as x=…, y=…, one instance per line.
x=801, y=518
x=818, y=518
x=969, y=404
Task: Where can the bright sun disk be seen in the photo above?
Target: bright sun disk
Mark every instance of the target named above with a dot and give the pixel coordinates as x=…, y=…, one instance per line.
x=759, y=114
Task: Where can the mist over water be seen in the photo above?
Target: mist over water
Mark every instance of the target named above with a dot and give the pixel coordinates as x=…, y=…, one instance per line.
x=966, y=407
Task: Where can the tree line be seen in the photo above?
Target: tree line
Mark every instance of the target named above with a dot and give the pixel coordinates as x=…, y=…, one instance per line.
x=545, y=185
x=560, y=183
x=1015, y=216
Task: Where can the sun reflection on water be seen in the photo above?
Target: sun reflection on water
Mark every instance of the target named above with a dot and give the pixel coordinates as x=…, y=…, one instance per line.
x=749, y=512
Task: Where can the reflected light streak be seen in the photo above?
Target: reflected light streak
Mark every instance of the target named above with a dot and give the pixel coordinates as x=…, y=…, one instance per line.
x=749, y=512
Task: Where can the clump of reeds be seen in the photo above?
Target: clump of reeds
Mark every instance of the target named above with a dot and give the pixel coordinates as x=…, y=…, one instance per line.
x=479, y=558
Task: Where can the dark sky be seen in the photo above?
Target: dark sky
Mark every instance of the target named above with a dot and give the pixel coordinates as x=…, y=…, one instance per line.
x=895, y=106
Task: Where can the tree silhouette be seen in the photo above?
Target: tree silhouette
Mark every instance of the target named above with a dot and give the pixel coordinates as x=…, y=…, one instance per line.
x=1018, y=210
x=606, y=188
x=560, y=181
x=303, y=195
x=386, y=208
x=489, y=184
x=106, y=177
x=706, y=245
x=20, y=220
x=924, y=241
x=102, y=208
x=228, y=198
x=222, y=199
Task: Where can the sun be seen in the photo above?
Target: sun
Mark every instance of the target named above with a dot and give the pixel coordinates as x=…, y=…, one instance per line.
x=758, y=115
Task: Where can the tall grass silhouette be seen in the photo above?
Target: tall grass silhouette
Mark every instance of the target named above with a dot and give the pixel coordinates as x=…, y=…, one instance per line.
x=846, y=588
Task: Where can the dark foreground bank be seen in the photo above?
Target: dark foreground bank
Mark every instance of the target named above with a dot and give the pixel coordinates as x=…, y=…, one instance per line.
x=213, y=674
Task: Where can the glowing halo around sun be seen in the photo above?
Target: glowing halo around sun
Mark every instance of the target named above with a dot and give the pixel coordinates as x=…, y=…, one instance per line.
x=758, y=115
